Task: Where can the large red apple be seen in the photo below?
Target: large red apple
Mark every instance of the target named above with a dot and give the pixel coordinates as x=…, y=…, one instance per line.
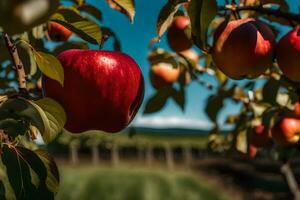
x=103, y=90
x=288, y=54
x=176, y=35
x=286, y=131
x=243, y=48
x=163, y=74
x=58, y=32
x=260, y=136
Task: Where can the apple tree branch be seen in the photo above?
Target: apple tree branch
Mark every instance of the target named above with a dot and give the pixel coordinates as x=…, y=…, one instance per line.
x=18, y=65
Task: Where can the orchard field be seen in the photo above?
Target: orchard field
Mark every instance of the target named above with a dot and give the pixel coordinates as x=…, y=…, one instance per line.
x=149, y=100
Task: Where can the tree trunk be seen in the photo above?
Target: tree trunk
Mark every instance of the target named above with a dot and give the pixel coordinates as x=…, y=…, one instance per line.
x=140, y=153
x=169, y=157
x=115, y=155
x=95, y=154
x=74, y=159
x=149, y=155
x=187, y=156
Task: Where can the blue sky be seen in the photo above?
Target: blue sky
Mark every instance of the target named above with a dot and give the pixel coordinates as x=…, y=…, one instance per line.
x=135, y=39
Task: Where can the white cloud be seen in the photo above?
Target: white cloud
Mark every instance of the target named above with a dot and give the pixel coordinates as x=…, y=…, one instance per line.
x=171, y=122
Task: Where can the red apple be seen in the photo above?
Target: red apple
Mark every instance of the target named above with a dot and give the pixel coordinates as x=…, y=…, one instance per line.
x=286, y=131
x=243, y=48
x=103, y=90
x=288, y=54
x=260, y=136
x=176, y=36
x=163, y=74
x=58, y=32
x=297, y=109
x=251, y=152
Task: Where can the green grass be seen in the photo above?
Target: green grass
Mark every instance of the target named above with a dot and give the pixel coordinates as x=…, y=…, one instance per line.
x=87, y=183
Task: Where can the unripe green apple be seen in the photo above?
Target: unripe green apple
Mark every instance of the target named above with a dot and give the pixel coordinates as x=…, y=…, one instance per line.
x=163, y=74
x=177, y=38
x=286, y=131
x=58, y=32
x=288, y=54
x=243, y=48
x=102, y=90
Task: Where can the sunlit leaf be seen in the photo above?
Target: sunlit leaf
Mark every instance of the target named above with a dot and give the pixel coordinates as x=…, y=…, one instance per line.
x=241, y=142
x=53, y=115
x=166, y=15
x=84, y=27
x=125, y=6
x=50, y=66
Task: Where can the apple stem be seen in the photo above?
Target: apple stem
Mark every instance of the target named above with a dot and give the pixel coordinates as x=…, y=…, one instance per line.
x=267, y=11
x=291, y=180
x=103, y=40
x=18, y=65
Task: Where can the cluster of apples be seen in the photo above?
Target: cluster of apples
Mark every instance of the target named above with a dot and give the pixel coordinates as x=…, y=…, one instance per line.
x=102, y=90
x=285, y=133
x=246, y=48
x=164, y=74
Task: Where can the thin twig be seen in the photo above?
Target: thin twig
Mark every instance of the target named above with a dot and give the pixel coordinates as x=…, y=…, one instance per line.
x=291, y=180
x=266, y=11
x=18, y=65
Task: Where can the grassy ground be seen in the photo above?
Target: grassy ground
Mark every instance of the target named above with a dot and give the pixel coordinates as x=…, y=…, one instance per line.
x=90, y=183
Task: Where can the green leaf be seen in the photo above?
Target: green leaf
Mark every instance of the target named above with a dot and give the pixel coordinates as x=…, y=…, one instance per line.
x=124, y=6
x=14, y=127
x=53, y=115
x=92, y=10
x=241, y=142
x=201, y=12
x=50, y=66
x=216, y=102
x=159, y=56
x=270, y=91
x=213, y=106
x=84, y=27
x=166, y=15
x=6, y=191
x=179, y=98
x=52, y=180
x=158, y=101
x=27, y=173
x=21, y=109
x=221, y=77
